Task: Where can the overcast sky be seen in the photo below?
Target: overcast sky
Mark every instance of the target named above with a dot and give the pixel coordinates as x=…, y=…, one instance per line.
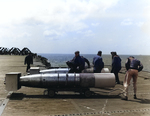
x=64, y=26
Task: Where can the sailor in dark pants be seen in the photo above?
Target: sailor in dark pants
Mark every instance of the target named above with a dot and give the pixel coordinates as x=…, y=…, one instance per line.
x=28, y=60
x=116, y=66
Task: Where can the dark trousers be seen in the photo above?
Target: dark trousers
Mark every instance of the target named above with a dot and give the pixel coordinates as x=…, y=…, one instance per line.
x=116, y=71
x=117, y=77
x=28, y=67
x=75, y=71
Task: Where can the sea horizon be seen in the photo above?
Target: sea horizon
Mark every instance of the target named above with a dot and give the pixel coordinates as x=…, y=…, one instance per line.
x=94, y=54
x=59, y=60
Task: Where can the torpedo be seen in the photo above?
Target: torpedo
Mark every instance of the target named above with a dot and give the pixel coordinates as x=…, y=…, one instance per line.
x=54, y=82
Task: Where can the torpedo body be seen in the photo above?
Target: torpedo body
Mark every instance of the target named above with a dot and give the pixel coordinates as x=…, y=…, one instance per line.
x=54, y=82
x=64, y=80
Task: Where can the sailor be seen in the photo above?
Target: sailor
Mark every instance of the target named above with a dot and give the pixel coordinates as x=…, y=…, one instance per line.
x=77, y=64
x=133, y=66
x=116, y=65
x=98, y=62
x=28, y=60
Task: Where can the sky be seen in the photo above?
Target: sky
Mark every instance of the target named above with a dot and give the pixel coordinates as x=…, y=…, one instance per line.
x=65, y=26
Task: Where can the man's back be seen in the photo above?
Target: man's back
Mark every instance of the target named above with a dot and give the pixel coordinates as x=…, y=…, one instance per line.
x=29, y=59
x=98, y=63
x=133, y=63
x=116, y=63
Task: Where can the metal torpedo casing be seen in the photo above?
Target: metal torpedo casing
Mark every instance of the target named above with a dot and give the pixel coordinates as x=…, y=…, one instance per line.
x=55, y=80
x=66, y=70
x=58, y=70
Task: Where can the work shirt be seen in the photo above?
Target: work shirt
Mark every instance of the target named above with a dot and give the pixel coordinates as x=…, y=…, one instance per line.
x=98, y=63
x=78, y=62
x=133, y=63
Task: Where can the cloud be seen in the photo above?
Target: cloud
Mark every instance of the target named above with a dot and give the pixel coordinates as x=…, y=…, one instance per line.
x=52, y=11
x=127, y=22
x=139, y=24
x=146, y=25
x=53, y=25
x=87, y=33
x=52, y=32
x=95, y=24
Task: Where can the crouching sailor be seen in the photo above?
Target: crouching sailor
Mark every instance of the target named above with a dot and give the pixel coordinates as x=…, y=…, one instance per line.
x=77, y=64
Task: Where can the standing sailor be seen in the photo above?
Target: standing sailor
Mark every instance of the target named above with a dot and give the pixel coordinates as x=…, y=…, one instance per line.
x=116, y=65
x=98, y=62
x=28, y=60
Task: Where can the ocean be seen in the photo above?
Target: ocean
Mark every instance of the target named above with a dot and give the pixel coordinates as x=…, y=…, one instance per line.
x=59, y=60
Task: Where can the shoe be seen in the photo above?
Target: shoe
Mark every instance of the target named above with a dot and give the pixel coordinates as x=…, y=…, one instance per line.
x=125, y=98
x=135, y=96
